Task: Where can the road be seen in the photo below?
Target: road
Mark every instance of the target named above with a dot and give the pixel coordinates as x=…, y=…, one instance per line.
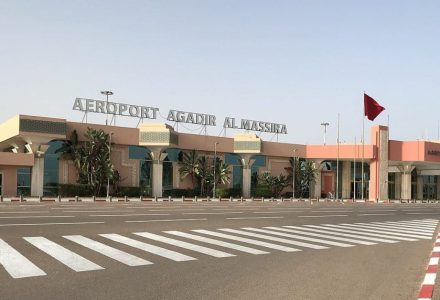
x=214, y=250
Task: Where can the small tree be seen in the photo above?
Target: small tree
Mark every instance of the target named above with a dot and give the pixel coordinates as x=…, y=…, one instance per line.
x=189, y=166
x=275, y=183
x=305, y=175
x=91, y=158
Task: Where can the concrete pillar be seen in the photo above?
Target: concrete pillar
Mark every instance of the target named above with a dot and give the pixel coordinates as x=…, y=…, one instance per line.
x=37, y=180
x=346, y=179
x=247, y=163
x=158, y=158
x=405, y=181
x=379, y=165
x=419, y=187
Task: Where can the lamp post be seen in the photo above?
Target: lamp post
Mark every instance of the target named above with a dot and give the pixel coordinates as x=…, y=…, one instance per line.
x=325, y=124
x=215, y=160
x=293, y=173
x=106, y=93
x=109, y=157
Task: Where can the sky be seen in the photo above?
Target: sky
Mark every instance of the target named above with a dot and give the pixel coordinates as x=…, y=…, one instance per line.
x=298, y=63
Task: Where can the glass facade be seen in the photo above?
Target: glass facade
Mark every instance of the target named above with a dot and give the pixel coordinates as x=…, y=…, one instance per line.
x=356, y=179
x=391, y=185
x=24, y=176
x=414, y=184
x=429, y=187
x=51, y=169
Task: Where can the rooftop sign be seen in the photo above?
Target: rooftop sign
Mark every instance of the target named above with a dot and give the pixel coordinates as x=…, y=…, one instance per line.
x=147, y=112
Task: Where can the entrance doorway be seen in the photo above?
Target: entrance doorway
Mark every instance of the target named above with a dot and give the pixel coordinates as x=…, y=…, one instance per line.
x=328, y=184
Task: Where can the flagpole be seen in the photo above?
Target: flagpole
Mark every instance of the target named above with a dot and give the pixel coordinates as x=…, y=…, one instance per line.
x=354, y=172
x=337, y=166
x=363, y=146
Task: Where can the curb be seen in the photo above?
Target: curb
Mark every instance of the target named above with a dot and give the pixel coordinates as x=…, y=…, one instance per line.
x=427, y=288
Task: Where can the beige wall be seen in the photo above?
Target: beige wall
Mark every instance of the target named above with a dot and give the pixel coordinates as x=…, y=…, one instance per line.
x=9, y=180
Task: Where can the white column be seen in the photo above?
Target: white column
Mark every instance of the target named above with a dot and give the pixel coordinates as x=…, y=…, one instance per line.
x=158, y=158
x=405, y=180
x=37, y=180
x=419, y=187
x=246, y=163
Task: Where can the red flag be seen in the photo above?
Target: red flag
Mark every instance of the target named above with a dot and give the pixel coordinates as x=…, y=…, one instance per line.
x=371, y=108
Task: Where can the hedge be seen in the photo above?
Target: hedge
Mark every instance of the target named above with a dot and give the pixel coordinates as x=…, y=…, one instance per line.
x=72, y=190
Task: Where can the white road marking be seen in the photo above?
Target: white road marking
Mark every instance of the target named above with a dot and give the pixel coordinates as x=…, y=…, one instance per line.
x=185, y=245
x=301, y=231
x=395, y=228
x=429, y=279
x=246, y=240
x=423, y=213
x=389, y=233
x=26, y=212
x=330, y=232
x=433, y=261
x=362, y=215
x=129, y=215
x=294, y=236
x=97, y=211
x=360, y=232
x=169, y=220
x=253, y=218
x=415, y=224
x=217, y=242
x=277, y=212
x=173, y=255
x=63, y=255
x=275, y=239
x=213, y=213
x=49, y=224
x=16, y=264
x=331, y=211
x=30, y=217
x=118, y=255
x=322, y=216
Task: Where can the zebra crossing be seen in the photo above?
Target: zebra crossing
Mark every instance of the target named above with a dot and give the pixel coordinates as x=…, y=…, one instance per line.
x=220, y=243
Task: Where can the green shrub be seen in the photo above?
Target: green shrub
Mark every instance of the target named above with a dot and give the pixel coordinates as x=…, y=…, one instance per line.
x=228, y=192
x=72, y=190
x=129, y=191
x=179, y=193
x=262, y=191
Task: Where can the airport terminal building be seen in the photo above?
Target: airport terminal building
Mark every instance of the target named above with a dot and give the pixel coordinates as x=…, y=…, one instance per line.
x=149, y=154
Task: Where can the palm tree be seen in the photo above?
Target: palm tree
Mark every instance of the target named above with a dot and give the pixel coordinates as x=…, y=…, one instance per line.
x=305, y=175
x=189, y=166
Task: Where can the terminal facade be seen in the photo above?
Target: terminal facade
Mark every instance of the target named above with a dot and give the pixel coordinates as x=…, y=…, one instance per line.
x=392, y=169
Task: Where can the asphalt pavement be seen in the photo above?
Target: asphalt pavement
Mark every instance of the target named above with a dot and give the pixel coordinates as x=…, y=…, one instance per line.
x=269, y=250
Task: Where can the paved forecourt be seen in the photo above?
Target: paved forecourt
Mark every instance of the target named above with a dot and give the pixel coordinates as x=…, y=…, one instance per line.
x=252, y=250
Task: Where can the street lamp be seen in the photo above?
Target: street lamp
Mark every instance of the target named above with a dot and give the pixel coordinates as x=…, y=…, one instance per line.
x=293, y=173
x=106, y=93
x=110, y=159
x=215, y=160
x=325, y=124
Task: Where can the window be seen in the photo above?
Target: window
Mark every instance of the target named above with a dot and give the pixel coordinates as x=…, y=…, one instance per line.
x=24, y=176
x=51, y=169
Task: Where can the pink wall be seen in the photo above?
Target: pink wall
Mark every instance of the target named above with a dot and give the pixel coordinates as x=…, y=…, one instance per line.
x=9, y=180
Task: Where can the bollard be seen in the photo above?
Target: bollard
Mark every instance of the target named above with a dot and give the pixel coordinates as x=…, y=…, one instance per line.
x=40, y=198
x=252, y=198
x=125, y=199
x=1, y=198
x=195, y=198
x=59, y=198
x=21, y=198
x=230, y=199
x=94, y=198
x=262, y=199
x=76, y=198
x=155, y=198
x=271, y=199
x=241, y=198
x=169, y=198
x=282, y=199
x=141, y=198
x=111, y=198
x=208, y=198
x=183, y=198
